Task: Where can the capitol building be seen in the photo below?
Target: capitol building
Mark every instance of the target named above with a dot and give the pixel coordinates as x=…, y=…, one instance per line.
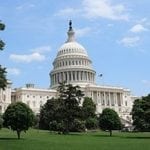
x=72, y=65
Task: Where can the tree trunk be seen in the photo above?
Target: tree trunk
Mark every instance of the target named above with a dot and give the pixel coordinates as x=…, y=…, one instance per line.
x=18, y=134
x=110, y=132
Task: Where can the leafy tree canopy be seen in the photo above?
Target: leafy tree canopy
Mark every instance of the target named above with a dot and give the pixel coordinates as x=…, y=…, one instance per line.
x=19, y=117
x=48, y=113
x=88, y=108
x=3, y=80
x=109, y=120
x=69, y=98
x=2, y=44
x=59, y=114
x=141, y=114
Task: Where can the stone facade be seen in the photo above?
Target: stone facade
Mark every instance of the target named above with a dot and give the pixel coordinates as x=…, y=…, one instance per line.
x=32, y=96
x=73, y=65
x=5, y=97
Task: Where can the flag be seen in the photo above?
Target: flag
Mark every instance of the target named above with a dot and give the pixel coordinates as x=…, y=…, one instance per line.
x=100, y=75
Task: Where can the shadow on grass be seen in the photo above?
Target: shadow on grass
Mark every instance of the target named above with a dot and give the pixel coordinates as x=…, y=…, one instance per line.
x=11, y=139
x=67, y=134
x=134, y=137
x=119, y=136
x=103, y=135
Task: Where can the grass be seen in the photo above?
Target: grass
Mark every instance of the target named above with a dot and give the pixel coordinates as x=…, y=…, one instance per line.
x=44, y=140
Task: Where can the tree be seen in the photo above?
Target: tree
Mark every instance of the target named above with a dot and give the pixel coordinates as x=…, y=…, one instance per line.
x=19, y=117
x=3, y=80
x=63, y=114
x=141, y=114
x=48, y=113
x=1, y=121
x=69, y=98
x=91, y=123
x=109, y=120
x=88, y=112
x=88, y=108
x=2, y=27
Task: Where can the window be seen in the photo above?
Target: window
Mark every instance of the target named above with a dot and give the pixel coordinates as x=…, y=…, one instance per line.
x=0, y=109
x=28, y=103
x=40, y=103
x=4, y=97
x=34, y=103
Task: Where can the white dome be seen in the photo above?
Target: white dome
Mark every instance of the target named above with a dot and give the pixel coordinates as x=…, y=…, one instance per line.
x=72, y=64
x=72, y=48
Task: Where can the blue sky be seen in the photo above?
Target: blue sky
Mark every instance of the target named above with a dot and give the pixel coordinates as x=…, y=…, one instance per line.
x=115, y=33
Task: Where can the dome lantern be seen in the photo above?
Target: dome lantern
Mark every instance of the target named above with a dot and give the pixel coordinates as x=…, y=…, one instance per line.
x=71, y=33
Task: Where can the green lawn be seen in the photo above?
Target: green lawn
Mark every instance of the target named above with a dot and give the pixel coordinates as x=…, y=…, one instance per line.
x=44, y=140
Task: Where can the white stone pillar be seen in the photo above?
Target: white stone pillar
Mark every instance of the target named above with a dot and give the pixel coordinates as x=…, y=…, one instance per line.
x=71, y=75
x=85, y=76
x=81, y=76
x=52, y=79
x=109, y=99
x=67, y=76
x=105, y=102
x=55, y=78
x=75, y=75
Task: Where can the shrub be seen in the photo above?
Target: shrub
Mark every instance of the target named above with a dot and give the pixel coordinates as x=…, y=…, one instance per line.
x=1, y=121
x=91, y=123
x=78, y=126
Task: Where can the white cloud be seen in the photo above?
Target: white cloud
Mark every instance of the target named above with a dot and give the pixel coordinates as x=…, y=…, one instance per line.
x=110, y=25
x=138, y=28
x=130, y=41
x=27, y=58
x=42, y=49
x=95, y=9
x=69, y=12
x=82, y=32
x=104, y=9
x=25, y=6
x=146, y=82
x=13, y=71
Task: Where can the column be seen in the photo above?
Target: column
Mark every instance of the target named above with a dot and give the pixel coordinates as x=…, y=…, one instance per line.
x=81, y=76
x=55, y=78
x=121, y=98
x=71, y=76
x=58, y=79
x=67, y=76
x=109, y=98
x=75, y=75
x=85, y=76
x=52, y=80
x=105, y=102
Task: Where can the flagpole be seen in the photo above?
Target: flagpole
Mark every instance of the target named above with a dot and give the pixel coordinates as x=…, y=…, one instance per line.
x=101, y=77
